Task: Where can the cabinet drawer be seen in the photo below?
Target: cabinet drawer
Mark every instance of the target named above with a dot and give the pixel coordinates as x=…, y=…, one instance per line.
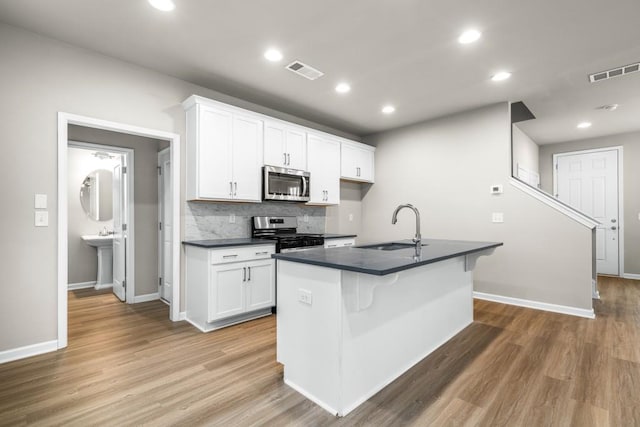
x=338, y=243
x=240, y=253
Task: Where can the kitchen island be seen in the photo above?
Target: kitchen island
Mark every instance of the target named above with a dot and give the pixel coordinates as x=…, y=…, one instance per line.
x=351, y=320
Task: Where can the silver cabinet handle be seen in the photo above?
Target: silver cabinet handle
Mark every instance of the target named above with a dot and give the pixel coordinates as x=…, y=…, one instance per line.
x=614, y=228
x=348, y=244
x=613, y=220
x=332, y=246
x=262, y=253
x=235, y=188
x=284, y=162
x=229, y=256
x=244, y=274
x=230, y=188
x=249, y=277
x=289, y=159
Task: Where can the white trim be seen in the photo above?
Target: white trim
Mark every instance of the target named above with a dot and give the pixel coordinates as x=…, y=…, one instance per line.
x=80, y=285
x=621, y=228
x=64, y=120
x=312, y=398
x=28, y=351
x=183, y=315
x=130, y=245
x=631, y=276
x=147, y=297
x=555, y=308
x=550, y=201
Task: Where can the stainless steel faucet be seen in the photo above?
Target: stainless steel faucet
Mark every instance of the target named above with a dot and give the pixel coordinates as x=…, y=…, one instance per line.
x=418, y=238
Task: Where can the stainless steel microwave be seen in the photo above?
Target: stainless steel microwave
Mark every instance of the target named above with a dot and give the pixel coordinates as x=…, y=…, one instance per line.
x=289, y=185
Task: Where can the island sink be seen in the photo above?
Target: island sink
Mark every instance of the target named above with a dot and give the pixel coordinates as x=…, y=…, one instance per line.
x=392, y=246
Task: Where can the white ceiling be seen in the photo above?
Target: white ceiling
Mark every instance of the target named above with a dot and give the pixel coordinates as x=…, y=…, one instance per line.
x=402, y=52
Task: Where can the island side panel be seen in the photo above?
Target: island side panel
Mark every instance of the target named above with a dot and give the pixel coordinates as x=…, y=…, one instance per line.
x=308, y=333
x=392, y=322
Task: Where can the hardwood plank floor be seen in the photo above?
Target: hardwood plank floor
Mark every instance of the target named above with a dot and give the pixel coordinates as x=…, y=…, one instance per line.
x=129, y=365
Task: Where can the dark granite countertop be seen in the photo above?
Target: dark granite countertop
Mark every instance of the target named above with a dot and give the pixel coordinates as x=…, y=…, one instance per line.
x=221, y=243
x=380, y=262
x=338, y=236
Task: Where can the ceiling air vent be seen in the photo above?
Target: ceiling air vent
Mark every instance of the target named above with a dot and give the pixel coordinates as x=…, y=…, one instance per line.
x=304, y=70
x=614, y=72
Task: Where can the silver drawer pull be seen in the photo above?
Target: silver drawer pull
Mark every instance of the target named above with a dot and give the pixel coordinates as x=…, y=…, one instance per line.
x=230, y=256
x=332, y=246
x=348, y=244
x=262, y=253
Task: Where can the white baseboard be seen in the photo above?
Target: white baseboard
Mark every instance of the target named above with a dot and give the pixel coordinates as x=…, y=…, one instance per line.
x=563, y=309
x=104, y=286
x=81, y=285
x=631, y=276
x=28, y=351
x=145, y=298
x=183, y=315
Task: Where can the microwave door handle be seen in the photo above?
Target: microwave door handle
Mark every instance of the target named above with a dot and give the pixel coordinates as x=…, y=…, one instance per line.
x=304, y=186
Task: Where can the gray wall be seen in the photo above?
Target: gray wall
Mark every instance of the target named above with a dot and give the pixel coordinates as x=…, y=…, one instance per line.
x=38, y=78
x=631, y=176
x=525, y=151
x=83, y=261
x=446, y=167
x=145, y=193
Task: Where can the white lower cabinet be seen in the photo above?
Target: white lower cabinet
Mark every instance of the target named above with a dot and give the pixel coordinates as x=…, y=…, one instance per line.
x=225, y=286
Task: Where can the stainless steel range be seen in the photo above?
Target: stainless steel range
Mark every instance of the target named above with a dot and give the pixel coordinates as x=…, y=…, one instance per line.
x=283, y=229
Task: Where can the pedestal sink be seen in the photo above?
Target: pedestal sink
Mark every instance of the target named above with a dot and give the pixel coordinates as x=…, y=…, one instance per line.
x=104, y=247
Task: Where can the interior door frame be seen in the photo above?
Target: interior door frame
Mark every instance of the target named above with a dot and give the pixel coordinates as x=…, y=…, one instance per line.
x=66, y=119
x=161, y=191
x=129, y=153
x=621, y=227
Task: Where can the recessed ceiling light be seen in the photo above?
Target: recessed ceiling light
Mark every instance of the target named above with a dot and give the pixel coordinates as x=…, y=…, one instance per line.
x=469, y=36
x=163, y=5
x=388, y=109
x=273, y=55
x=343, y=88
x=584, y=125
x=502, y=75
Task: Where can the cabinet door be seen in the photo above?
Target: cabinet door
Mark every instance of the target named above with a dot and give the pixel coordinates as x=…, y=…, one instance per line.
x=323, y=159
x=260, y=285
x=214, y=153
x=247, y=158
x=274, y=144
x=356, y=163
x=226, y=291
x=296, y=149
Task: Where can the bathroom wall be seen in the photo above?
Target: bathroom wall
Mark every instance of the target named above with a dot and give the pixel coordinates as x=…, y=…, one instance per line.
x=83, y=261
x=210, y=220
x=145, y=192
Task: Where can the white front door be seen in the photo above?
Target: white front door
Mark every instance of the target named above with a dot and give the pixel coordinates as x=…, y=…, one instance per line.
x=589, y=182
x=166, y=225
x=119, y=229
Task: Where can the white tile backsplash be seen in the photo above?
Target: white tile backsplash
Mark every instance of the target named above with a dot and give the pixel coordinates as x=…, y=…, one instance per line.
x=209, y=220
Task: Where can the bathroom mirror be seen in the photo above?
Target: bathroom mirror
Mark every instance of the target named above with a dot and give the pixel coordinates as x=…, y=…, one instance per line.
x=96, y=195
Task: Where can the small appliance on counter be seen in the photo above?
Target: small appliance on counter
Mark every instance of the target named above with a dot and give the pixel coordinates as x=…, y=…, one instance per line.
x=289, y=185
x=283, y=230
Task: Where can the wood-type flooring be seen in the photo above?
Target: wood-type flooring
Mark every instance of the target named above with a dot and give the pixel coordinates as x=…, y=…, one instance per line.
x=129, y=365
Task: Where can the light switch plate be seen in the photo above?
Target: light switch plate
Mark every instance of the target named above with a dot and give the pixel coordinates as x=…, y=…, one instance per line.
x=40, y=201
x=497, y=217
x=232, y=219
x=42, y=219
x=496, y=189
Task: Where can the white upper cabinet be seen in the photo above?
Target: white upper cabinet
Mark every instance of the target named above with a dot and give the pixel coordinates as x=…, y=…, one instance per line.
x=284, y=146
x=324, y=165
x=357, y=162
x=224, y=153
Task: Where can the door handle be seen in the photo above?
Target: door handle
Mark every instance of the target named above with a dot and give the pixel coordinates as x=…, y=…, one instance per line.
x=235, y=188
x=244, y=274
x=614, y=220
x=249, y=276
x=230, y=188
x=614, y=228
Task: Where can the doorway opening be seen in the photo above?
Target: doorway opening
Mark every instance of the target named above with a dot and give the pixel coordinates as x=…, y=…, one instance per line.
x=591, y=181
x=125, y=196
